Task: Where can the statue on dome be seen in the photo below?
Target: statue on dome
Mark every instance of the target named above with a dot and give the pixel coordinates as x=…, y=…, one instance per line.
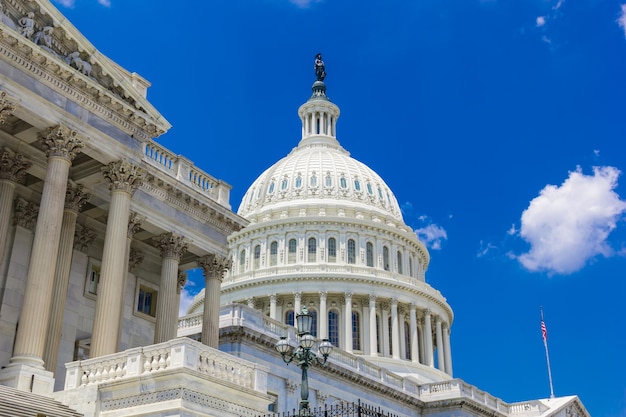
x=320, y=70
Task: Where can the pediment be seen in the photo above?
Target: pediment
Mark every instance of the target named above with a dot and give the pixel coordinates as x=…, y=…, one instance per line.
x=38, y=31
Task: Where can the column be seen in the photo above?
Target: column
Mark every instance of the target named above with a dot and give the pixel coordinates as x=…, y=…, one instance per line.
x=373, y=327
x=446, y=347
x=61, y=146
x=323, y=316
x=273, y=306
x=365, y=326
x=428, y=339
x=403, y=335
x=124, y=179
x=385, y=329
x=250, y=302
x=75, y=198
x=297, y=307
x=441, y=365
x=172, y=247
x=413, y=323
x=132, y=258
x=12, y=170
x=348, y=321
x=213, y=267
x=180, y=284
x=395, y=336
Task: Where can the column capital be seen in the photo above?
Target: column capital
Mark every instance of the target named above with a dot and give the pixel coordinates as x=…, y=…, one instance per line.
x=172, y=245
x=25, y=213
x=83, y=238
x=134, y=223
x=123, y=176
x=135, y=258
x=412, y=308
x=394, y=302
x=323, y=295
x=214, y=265
x=76, y=197
x=438, y=320
x=297, y=296
x=7, y=107
x=182, y=280
x=372, y=298
x=347, y=294
x=61, y=141
x=13, y=166
x=273, y=298
x=427, y=312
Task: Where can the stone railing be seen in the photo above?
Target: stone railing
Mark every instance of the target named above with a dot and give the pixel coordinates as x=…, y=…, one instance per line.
x=183, y=170
x=174, y=354
x=456, y=388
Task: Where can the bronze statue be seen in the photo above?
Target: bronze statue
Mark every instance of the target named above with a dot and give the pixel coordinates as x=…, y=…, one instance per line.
x=320, y=71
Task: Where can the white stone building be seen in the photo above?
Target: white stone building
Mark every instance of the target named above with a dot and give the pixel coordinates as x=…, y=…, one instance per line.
x=98, y=224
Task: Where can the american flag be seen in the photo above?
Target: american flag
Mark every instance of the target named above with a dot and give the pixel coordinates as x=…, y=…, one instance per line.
x=544, y=331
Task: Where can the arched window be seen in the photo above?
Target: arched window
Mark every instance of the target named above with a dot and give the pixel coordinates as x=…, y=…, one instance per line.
x=369, y=189
x=242, y=261
x=332, y=250
x=289, y=317
x=329, y=180
x=298, y=181
x=343, y=183
x=357, y=185
x=313, y=181
x=386, y=258
x=257, y=256
x=369, y=253
x=407, y=340
x=293, y=246
x=313, y=314
x=283, y=184
x=400, y=262
x=312, y=250
x=333, y=327
x=356, y=331
x=351, y=251
x=273, y=253
x=271, y=188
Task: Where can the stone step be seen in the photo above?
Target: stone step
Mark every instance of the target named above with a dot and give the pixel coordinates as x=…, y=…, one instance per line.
x=16, y=403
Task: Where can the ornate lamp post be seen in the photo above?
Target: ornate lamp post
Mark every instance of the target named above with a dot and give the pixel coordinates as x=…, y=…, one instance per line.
x=303, y=355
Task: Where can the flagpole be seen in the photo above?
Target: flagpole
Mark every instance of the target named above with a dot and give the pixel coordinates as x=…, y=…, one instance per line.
x=544, y=334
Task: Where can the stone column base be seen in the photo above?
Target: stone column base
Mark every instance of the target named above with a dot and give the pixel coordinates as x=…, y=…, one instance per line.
x=28, y=378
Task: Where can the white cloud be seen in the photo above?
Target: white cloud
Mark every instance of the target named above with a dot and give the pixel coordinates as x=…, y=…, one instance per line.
x=513, y=230
x=596, y=152
x=304, y=3
x=432, y=235
x=541, y=20
x=105, y=3
x=186, y=299
x=66, y=3
x=485, y=248
x=621, y=21
x=569, y=225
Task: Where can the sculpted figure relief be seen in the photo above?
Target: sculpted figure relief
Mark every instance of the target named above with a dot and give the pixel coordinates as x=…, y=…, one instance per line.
x=83, y=66
x=44, y=37
x=320, y=70
x=27, y=25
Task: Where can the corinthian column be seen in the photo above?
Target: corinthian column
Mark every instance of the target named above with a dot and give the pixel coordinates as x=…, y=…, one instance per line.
x=323, y=315
x=12, y=170
x=373, y=327
x=213, y=267
x=446, y=346
x=441, y=365
x=61, y=146
x=348, y=322
x=428, y=339
x=172, y=248
x=124, y=179
x=395, y=333
x=413, y=322
x=180, y=284
x=75, y=198
x=273, y=306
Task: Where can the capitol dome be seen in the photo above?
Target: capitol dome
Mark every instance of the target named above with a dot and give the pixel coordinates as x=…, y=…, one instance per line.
x=326, y=233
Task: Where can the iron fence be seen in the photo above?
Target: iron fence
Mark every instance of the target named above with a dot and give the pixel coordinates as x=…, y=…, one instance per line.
x=357, y=409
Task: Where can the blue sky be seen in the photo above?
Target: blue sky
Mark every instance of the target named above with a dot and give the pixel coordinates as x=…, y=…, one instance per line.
x=499, y=125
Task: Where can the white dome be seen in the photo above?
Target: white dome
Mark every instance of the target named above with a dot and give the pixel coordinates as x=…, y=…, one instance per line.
x=319, y=172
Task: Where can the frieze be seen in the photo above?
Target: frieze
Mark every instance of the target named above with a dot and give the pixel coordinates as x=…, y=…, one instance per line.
x=74, y=73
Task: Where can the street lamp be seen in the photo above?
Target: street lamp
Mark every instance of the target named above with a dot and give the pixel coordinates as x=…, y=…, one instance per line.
x=303, y=355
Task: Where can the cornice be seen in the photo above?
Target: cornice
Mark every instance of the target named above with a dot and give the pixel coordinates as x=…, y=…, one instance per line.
x=53, y=72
